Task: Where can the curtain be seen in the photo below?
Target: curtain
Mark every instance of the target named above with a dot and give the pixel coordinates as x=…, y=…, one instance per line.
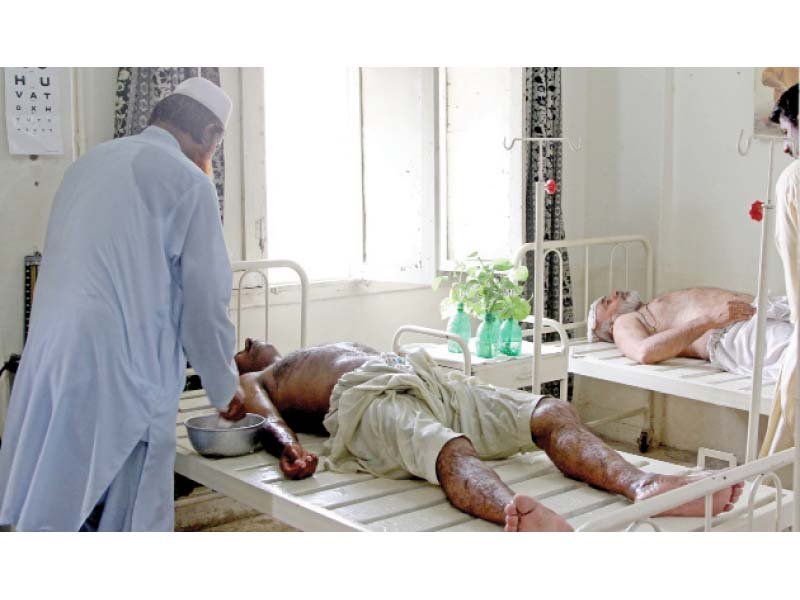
x=140, y=88
x=543, y=119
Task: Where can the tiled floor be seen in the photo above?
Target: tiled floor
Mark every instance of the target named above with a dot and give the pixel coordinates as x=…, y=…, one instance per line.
x=204, y=510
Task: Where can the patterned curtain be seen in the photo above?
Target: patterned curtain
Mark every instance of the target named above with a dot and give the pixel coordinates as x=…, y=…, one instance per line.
x=543, y=119
x=140, y=88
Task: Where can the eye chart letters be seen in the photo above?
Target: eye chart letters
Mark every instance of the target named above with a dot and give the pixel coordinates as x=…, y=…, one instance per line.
x=33, y=110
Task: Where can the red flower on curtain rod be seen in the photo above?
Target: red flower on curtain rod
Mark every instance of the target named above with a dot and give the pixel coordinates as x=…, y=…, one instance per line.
x=757, y=210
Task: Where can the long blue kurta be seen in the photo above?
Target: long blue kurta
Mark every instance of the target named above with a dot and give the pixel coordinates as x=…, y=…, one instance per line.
x=135, y=273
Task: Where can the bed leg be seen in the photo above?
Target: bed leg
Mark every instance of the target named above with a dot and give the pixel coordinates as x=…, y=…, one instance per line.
x=644, y=441
x=647, y=437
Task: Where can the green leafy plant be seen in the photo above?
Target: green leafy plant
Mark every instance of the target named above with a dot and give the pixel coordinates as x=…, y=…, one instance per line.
x=483, y=287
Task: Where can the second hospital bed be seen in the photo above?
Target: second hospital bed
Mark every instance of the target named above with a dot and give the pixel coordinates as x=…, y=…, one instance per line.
x=689, y=378
x=329, y=501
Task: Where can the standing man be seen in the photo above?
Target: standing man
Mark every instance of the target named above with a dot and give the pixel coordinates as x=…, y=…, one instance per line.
x=135, y=274
x=787, y=228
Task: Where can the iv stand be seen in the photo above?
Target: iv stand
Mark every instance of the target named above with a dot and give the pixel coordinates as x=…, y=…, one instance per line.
x=755, y=400
x=767, y=225
x=538, y=294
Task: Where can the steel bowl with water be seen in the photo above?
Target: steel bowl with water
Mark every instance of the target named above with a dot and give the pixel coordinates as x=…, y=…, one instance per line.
x=209, y=439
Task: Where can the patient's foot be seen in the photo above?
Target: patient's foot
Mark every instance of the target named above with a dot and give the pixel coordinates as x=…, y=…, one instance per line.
x=658, y=484
x=524, y=513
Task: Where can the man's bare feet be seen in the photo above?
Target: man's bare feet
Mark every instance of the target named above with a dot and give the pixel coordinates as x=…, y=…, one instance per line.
x=659, y=484
x=524, y=513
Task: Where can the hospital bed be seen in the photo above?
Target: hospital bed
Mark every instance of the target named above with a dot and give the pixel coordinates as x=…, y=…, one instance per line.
x=330, y=501
x=689, y=378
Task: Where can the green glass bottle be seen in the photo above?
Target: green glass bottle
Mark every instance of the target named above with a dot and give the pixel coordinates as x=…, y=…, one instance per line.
x=460, y=325
x=510, y=337
x=486, y=337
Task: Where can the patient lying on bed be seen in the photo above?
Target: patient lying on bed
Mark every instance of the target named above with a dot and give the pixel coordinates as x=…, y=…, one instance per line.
x=707, y=323
x=400, y=417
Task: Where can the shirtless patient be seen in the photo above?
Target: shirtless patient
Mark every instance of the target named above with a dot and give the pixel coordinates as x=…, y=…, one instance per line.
x=695, y=323
x=294, y=394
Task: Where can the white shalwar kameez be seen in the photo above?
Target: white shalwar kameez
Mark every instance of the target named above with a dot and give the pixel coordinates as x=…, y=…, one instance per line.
x=135, y=272
x=787, y=193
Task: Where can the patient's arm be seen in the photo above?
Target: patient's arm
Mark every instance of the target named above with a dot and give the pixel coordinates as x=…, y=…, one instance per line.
x=633, y=339
x=631, y=336
x=277, y=437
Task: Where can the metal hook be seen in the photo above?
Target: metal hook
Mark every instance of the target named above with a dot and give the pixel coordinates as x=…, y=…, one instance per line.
x=507, y=146
x=575, y=146
x=743, y=152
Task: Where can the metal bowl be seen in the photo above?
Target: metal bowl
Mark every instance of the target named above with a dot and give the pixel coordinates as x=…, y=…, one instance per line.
x=213, y=441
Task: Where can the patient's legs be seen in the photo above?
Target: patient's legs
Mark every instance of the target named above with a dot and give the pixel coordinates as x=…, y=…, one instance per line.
x=578, y=453
x=473, y=487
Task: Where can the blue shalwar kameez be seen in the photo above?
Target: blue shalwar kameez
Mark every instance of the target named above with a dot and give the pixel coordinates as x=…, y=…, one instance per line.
x=135, y=273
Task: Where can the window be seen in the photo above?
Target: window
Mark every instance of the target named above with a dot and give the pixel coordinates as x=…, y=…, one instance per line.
x=313, y=213
x=398, y=144
x=380, y=173
x=481, y=183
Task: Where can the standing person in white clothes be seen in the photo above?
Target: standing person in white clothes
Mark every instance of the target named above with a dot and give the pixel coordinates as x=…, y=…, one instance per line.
x=787, y=194
x=135, y=278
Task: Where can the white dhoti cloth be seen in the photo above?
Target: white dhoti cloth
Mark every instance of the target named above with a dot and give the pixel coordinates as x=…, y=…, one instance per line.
x=780, y=429
x=733, y=348
x=392, y=417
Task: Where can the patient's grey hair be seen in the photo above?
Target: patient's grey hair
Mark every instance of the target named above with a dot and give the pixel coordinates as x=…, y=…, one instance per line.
x=603, y=329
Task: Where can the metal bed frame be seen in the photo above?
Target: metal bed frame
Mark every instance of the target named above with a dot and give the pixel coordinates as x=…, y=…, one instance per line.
x=690, y=378
x=685, y=377
x=330, y=501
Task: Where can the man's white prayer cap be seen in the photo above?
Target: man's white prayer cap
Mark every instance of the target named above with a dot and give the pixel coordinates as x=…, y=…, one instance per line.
x=591, y=320
x=209, y=95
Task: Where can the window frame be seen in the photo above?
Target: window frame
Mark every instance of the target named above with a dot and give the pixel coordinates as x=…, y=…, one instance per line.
x=366, y=278
x=446, y=263
x=430, y=201
x=254, y=165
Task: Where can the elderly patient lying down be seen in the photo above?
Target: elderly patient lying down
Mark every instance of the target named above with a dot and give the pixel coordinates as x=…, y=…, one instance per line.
x=402, y=417
x=708, y=323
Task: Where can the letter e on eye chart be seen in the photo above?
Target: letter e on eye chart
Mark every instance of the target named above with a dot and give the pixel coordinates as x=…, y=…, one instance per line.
x=33, y=110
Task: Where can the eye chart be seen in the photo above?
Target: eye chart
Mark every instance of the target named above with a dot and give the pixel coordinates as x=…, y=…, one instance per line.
x=33, y=110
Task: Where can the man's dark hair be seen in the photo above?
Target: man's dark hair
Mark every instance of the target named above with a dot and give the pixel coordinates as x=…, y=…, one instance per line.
x=187, y=114
x=786, y=106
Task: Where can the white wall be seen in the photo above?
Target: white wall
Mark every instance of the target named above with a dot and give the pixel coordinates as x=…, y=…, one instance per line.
x=574, y=124
x=348, y=312
x=26, y=193
x=660, y=160
x=707, y=235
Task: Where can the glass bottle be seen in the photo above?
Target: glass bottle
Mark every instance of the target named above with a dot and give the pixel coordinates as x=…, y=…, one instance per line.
x=460, y=325
x=510, y=337
x=486, y=337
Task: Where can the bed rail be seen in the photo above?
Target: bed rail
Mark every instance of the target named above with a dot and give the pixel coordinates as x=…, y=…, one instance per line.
x=555, y=246
x=616, y=242
x=641, y=512
x=548, y=326
x=437, y=333
x=245, y=267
